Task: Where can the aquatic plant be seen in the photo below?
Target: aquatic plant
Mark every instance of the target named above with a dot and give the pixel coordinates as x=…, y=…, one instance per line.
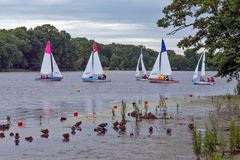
x=113, y=112
x=222, y=144
x=209, y=143
x=214, y=125
x=136, y=111
x=177, y=108
x=228, y=96
x=234, y=136
x=146, y=108
x=215, y=156
x=197, y=143
x=123, y=110
x=8, y=119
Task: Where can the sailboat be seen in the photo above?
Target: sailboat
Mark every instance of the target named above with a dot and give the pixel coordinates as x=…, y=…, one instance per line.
x=141, y=75
x=49, y=68
x=161, y=68
x=94, y=71
x=201, y=80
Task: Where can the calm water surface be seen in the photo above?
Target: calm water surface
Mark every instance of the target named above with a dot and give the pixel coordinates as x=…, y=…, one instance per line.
x=23, y=97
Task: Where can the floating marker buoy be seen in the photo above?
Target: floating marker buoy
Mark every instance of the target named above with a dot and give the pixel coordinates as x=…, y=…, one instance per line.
x=145, y=102
x=115, y=106
x=20, y=123
x=75, y=114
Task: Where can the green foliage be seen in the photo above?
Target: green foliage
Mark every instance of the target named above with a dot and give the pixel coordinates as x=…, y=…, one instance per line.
x=234, y=137
x=197, y=143
x=238, y=88
x=210, y=142
x=216, y=29
x=23, y=48
x=123, y=110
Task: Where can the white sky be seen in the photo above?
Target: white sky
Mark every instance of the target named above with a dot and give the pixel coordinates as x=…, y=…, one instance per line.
x=106, y=21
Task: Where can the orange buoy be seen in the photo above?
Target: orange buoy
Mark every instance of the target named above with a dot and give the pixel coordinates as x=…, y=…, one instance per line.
x=115, y=106
x=75, y=114
x=20, y=123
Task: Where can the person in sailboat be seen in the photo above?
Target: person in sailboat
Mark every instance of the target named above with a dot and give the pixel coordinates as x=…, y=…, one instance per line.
x=104, y=77
x=167, y=78
x=145, y=76
x=202, y=79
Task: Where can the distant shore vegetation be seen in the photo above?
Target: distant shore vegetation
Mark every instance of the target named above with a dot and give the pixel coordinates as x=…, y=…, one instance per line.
x=23, y=49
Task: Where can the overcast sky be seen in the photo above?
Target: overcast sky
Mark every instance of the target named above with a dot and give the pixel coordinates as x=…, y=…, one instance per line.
x=106, y=21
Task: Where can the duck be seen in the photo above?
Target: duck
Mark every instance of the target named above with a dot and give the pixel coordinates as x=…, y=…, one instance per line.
x=17, y=136
x=29, y=139
x=150, y=129
x=45, y=131
x=45, y=135
x=66, y=135
x=115, y=123
x=169, y=131
x=191, y=126
x=2, y=135
x=73, y=128
x=122, y=128
x=17, y=142
x=63, y=119
x=11, y=134
x=78, y=124
x=103, y=125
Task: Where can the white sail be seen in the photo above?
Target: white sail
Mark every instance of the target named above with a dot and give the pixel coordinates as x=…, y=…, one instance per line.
x=46, y=68
x=165, y=68
x=89, y=68
x=195, y=74
x=137, y=69
x=203, y=66
x=155, y=73
x=143, y=66
x=56, y=71
x=97, y=66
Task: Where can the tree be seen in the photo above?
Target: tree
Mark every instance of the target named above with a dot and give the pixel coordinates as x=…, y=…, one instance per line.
x=216, y=23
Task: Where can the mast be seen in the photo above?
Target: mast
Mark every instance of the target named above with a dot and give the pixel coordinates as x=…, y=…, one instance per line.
x=93, y=62
x=160, y=63
x=51, y=62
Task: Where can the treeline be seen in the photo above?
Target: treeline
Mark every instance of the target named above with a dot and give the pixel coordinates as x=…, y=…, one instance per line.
x=23, y=48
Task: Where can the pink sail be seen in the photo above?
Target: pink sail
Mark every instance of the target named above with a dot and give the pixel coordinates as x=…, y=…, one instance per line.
x=48, y=48
x=95, y=47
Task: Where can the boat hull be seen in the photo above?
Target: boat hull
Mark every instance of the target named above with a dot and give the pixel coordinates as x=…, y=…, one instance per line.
x=141, y=79
x=49, y=79
x=95, y=80
x=197, y=82
x=162, y=81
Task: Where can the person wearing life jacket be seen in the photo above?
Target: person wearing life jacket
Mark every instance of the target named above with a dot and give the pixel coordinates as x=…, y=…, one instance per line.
x=202, y=79
x=104, y=77
x=145, y=76
x=212, y=79
x=161, y=77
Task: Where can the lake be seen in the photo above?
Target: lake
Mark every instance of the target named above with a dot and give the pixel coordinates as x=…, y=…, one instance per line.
x=24, y=98
x=39, y=104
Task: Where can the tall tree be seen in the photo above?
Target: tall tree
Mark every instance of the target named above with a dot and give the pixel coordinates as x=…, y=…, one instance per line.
x=216, y=24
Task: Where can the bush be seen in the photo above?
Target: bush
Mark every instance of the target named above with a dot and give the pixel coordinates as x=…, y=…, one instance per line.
x=238, y=88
